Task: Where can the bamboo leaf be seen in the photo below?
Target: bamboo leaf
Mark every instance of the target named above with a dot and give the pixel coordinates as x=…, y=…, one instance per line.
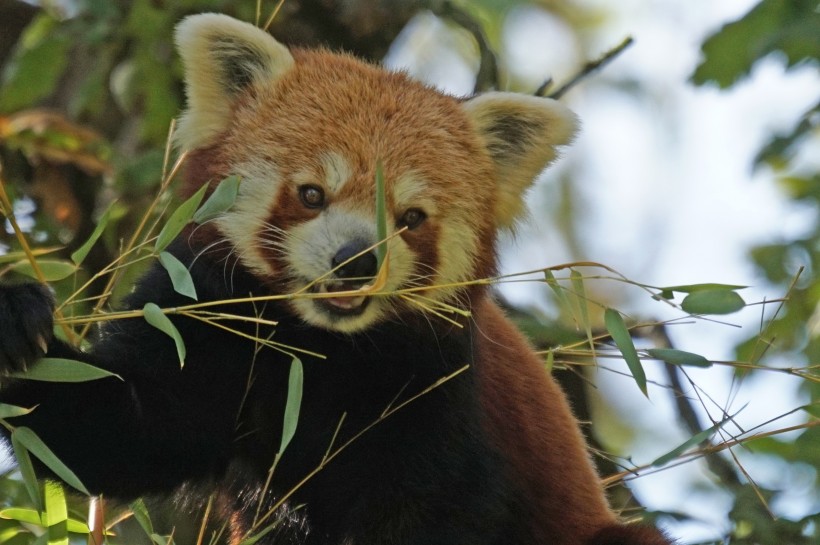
x=141, y=515
x=259, y=535
x=180, y=275
x=678, y=357
x=692, y=288
x=294, y=402
x=56, y=514
x=80, y=253
x=559, y=292
x=220, y=200
x=178, y=220
x=52, y=269
x=38, y=518
x=154, y=316
x=26, y=468
x=581, y=298
x=10, y=411
x=10, y=532
x=12, y=257
x=36, y=447
x=550, y=363
x=693, y=441
x=713, y=301
x=623, y=340
x=813, y=409
x=381, y=217
x=64, y=370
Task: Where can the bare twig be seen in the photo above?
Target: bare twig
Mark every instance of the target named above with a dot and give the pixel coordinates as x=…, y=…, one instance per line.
x=487, y=77
x=589, y=68
x=688, y=416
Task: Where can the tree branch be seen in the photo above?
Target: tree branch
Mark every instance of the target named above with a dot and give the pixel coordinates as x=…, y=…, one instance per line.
x=589, y=68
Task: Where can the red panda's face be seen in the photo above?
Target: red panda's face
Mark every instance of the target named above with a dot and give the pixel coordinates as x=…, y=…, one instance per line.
x=305, y=132
x=306, y=147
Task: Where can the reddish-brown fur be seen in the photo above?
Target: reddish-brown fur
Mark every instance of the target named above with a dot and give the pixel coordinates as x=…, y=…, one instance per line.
x=530, y=420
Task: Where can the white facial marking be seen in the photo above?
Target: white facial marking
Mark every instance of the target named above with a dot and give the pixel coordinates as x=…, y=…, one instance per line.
x=242, y=223
x=337, y=170
x=410, y=190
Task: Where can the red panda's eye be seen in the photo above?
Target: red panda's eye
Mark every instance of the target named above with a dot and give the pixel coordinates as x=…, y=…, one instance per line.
x=412, y=218
x=312, y=196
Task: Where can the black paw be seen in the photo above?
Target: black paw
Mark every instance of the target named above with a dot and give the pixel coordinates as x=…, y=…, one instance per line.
x=26, y=324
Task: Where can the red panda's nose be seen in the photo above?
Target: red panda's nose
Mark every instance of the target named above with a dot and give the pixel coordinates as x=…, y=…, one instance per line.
x=352, y=264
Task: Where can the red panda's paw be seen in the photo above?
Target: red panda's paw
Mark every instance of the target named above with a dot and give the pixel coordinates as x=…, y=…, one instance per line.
x=633, y=534
x=25, y=325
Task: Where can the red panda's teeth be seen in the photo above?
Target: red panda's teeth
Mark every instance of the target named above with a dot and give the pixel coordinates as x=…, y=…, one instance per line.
x=346, y=303
x=343, y=303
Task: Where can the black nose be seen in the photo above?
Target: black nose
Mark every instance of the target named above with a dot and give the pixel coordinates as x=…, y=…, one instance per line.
x=363, y=266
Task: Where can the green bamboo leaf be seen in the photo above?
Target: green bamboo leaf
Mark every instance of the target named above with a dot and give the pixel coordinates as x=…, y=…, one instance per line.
x=296, y=379
x=10, y=411
x=38, y=518
x=26, y=468
x=64, y=370
x=623, y=340
x=154, y=316
x=813, y=409
x=713, y=301
x=52, y=269
x=559, y=291
x=692, y=288
x=10, y=532
x=693, y=441
x=180, y=275
x=13, y=257
x=56, y=514
x=220, y=200
x=178, y=220
x=80, y=253
x=577, y=280
x=259, y=535
x=141, y=515
x=381, y=217
x=550, y=360
x=678, y=357
x=36, y=447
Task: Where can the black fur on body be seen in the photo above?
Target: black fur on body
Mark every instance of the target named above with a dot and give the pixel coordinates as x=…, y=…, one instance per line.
x=219, y=417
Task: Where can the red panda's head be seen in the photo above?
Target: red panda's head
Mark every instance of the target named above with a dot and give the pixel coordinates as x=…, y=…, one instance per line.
x=305, y=130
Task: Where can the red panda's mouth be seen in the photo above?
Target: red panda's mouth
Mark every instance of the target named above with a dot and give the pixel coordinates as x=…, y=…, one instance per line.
x=347, y=305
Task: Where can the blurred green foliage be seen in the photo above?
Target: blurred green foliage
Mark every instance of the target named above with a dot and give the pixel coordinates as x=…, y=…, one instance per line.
x=788, y=30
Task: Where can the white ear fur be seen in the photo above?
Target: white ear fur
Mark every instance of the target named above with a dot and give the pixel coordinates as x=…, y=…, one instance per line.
x=521, y=133
x=221, y=56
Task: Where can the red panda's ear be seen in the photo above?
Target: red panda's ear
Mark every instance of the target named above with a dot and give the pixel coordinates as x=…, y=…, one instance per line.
x=521, y=134
x=221, y=57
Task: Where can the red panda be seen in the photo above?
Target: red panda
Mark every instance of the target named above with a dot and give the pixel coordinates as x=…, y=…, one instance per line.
x=491, y=455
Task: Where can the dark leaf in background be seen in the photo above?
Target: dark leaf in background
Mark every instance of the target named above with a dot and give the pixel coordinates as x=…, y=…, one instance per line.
x=789, y=27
